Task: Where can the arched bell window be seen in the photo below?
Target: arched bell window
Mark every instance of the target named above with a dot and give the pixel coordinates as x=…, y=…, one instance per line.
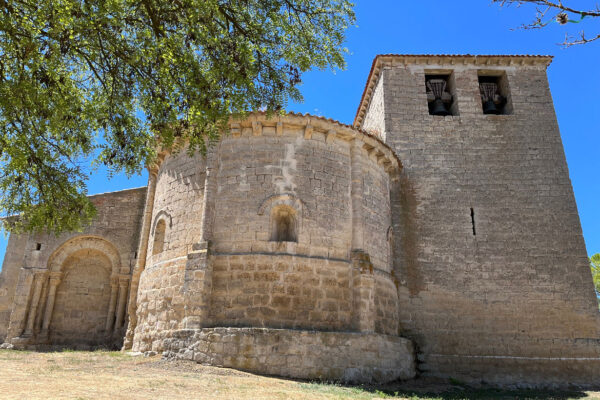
x=159, y=237
x=284, y=224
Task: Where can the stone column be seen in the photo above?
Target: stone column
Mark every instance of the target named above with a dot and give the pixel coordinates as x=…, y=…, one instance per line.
x=38, y=281
x=110, y=318
x=198, y=268
x=43, y=300
x=123, y=284
x=210, y=189
x=141, y=259
x=363, y=281
x=55, y=278
x=356, y=155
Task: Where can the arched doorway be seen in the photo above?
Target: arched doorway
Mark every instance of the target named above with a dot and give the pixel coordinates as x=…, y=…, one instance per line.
x=82, y=299
x=86, y=294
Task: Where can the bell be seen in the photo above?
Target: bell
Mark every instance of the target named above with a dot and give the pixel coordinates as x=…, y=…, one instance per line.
x=489, y=107
x=488, y=93
x=438, y=108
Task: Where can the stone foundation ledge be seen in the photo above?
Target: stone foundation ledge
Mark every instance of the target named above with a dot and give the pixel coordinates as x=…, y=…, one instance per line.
x=339, y=356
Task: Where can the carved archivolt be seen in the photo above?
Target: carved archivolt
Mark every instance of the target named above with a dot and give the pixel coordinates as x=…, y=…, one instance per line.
x=286, y=211
x=285, y=199
x=57, y=259
x=162, y=215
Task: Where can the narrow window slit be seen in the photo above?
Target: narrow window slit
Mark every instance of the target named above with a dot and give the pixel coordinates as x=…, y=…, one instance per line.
x=284, y=225
x=473, y=220
x=159, y=237
x=38, y=246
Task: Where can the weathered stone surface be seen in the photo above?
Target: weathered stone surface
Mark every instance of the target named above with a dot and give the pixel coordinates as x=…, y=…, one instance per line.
x=343, y=356
x=314, y=231
x=64, y=290
x=221, y=262
x=511, y=301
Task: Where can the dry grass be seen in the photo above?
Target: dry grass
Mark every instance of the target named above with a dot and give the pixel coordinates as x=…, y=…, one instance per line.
x=114, y=375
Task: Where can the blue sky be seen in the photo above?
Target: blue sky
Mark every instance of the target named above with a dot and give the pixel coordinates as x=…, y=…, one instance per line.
x=453, y=27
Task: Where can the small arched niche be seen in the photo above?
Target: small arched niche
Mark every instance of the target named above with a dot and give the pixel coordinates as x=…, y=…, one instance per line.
x=284, y=224
x=158, y=245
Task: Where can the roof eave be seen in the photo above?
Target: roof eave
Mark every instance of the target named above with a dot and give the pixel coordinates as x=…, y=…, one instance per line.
x=492, y=59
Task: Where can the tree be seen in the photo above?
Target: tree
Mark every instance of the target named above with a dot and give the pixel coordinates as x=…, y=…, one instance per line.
x=555, y=11
x=105, y=81
x=595, y=266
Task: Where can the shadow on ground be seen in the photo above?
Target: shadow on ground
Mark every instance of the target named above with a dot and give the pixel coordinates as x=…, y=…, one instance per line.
x=437, y=388
x=420, y=388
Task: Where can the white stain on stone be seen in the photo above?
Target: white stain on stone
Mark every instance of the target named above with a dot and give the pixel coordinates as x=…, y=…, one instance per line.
x=287, y=166
x=219, y=175
x=244, y=185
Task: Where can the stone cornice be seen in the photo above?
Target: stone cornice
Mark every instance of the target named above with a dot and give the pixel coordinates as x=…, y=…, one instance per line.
x=254, y=125
x=436, y=60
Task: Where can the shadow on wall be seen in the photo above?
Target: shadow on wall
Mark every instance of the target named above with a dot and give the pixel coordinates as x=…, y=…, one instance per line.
x=409, y=241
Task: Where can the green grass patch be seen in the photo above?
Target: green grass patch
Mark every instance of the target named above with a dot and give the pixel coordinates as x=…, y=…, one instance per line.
x=340, y=391
x=114, y=354
x=458, y=391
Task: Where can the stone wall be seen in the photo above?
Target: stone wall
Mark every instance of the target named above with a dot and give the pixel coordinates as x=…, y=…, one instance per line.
x=13, y=262
x=386, y=303
x=474, y=250
x=82, y=299
x=346, y=357
x=374, y=120
x=258, y=173
x=377, y=217
x=160, y=304
x=220, y=262
x=64, y=288
x=283, y=291
x=178, y=203
x=512, y=300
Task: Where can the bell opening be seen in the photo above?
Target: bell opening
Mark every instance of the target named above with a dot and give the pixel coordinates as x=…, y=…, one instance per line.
x=440, y=99
x=493, y=92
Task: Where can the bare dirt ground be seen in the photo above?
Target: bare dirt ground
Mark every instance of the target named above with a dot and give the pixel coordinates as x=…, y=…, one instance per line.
x=115, y=375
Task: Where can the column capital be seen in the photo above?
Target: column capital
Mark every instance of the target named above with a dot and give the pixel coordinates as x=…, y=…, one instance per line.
x=55, y=276
x=356, y=144
x=123, y=280
x=153, y=170
x=137, y=269
x=361, y=260
x=39, y=274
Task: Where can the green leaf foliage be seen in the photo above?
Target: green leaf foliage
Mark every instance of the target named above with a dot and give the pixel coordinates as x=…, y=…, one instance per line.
x=104, y=82
x=595, y=266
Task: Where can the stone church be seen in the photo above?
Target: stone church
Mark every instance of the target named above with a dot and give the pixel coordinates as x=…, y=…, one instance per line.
x=438, y=235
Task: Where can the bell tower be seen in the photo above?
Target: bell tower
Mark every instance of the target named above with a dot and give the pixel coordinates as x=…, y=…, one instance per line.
x=493, y=275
